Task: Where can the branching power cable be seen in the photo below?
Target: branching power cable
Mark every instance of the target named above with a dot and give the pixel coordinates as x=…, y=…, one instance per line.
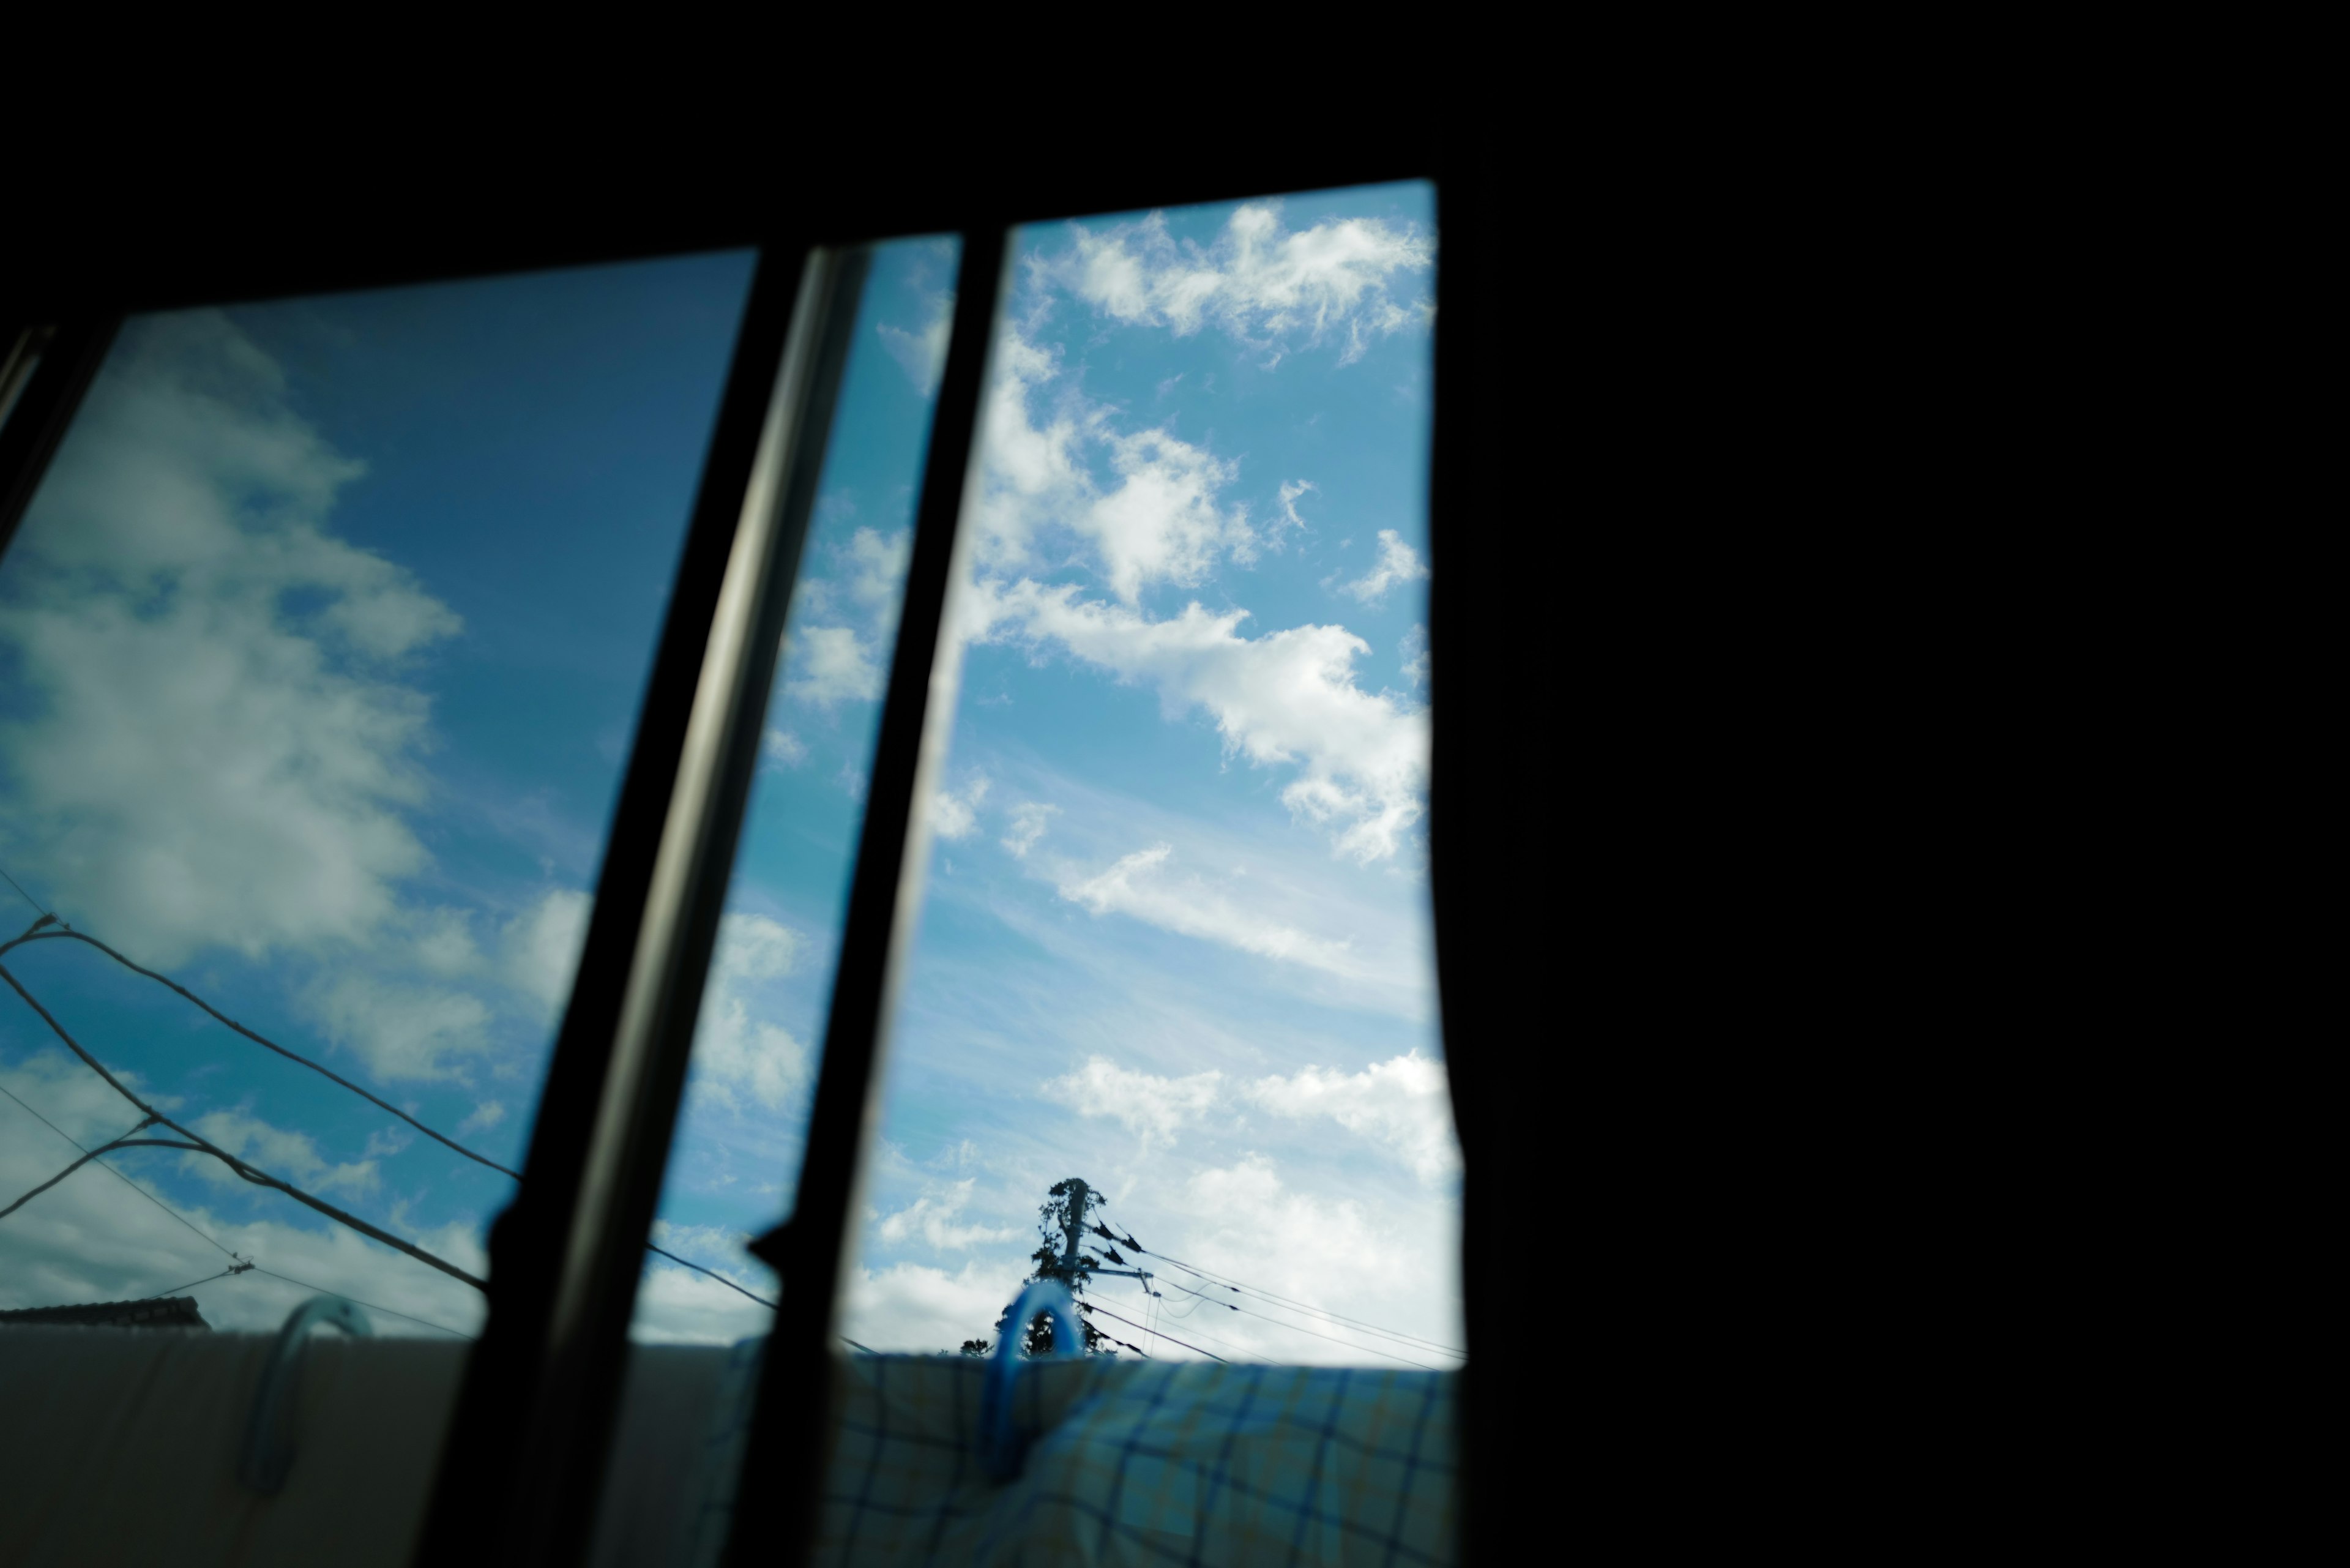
x=208, y=1279
x=37, y=935
x=22, y=894
x=721, y=1279
x=1300, y=1328
x=1242, y=1288
x=387, y=1312
x=1090, y=1307
x=123, y=1178
x=250, y=1173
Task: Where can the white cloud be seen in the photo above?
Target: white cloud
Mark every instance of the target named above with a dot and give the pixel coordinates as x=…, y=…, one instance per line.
x=1153, y=1109
x=922, y=352
x=216, y=750
x=1155, y=518
x=542, y=945
x=1404, y=1103
x=444, y=943
x=292, y=1156
x=1369, y=1261
x=1161, y=524
x=736, y=1053
x=402, y=1031
x=1260, y=280
x=1413, y=651
x=1398, y=563
x=1291, y=490
x=783, y=748
x=876, y=564
x=957, y=816
x=1288, y=697
x=932, y=1217
x=1139, y=886
x=1030, y=819
x=914, y=1307
x=485, y=1117
x=829, y=664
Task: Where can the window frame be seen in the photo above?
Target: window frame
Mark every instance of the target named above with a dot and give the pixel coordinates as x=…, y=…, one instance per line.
x=532, y=1427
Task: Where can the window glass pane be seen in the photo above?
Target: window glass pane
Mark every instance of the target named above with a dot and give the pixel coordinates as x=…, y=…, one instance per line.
x=321, y=650
x=1176, y=942
x=734, y=1166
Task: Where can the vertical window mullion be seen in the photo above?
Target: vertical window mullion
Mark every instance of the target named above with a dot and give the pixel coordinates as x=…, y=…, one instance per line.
x=527, y=1441
x=776, y=1513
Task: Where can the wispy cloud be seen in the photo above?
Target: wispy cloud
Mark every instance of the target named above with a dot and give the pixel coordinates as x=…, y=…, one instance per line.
x=1140, y=886
x=1268, y=285
x=1398, y=563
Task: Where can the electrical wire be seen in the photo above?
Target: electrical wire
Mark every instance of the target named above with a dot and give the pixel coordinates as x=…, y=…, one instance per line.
x=250, y=1173
x=354, y=1301
x=1090, y=1307
x=123, y=1178
x=1349, y=1344
x=263, y=1041
x=722, y=1280
x=1242, y=1287
x=208, y=1279
x=22, y=894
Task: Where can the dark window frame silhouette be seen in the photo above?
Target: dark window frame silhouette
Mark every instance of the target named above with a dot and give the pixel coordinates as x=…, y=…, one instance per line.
x=529, y=1435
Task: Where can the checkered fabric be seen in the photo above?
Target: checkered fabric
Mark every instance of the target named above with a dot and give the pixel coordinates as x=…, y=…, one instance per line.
x=1129, y=1462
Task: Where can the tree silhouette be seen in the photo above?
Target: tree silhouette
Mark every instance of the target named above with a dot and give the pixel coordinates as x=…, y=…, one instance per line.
x=1060, y=1220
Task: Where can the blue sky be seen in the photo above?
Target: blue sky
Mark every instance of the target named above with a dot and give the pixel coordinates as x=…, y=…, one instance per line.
x=1176, y=938
x=319, y=653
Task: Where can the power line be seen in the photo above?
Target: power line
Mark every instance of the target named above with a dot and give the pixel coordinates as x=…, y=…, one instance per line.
x=1407, y=1341
x=1300, y=1328
x=263, y=1041
x=250, y=1173
x=722, y=1280
x=354, y=1301
x=1090, y=1306
x=22, y=894
x=1242, y=1287
x=242, y=1266
x=290, y=1055
x=119, y=1177
x=208, y=1279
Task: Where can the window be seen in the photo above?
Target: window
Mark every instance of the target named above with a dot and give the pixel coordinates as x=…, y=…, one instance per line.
x=672, y=952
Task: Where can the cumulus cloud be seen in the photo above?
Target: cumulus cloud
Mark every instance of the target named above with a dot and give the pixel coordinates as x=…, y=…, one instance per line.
x=1413, y=651
x=93, y=1239
x=1140, y=886
x=1288, y=697
x=921, y=353
x=876, y=564
x=1264, y=283
x=956, y=816
x=541, y=946
x=1152, y=514
x=1159, y=522
x=1404, y=1103
x=1152, y=1108
x=738, y=1055
x=1398, y=563
x=282, y=1153
x=216, y=747
x=1030, y=819
x=830, y=664
x=783, y=748
x=915, y=1307
x=934, y=1215
x=485, y=1117
x=403, y=1032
